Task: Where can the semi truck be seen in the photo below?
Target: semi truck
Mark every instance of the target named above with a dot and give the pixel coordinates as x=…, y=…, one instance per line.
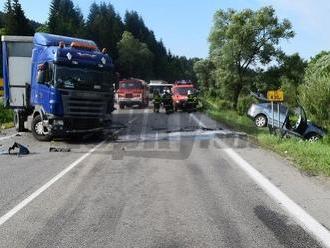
x=57, y=85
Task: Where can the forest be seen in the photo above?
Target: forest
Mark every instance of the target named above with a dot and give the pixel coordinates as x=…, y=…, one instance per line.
x=132, y=45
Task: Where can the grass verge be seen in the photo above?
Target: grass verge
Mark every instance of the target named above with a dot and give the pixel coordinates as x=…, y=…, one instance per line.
x=313, y=158
x=6, y=117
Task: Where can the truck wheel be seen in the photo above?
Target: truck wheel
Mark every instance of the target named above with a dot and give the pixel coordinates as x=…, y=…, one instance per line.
x=38, y=130
x=19, y=121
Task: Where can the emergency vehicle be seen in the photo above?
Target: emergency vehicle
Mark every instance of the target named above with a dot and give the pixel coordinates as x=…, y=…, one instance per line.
x=180, y=93
x=132, y=92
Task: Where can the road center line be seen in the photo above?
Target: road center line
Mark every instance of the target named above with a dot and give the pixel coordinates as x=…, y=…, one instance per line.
x=198, y=121
x=35, y=194
x=306, y=221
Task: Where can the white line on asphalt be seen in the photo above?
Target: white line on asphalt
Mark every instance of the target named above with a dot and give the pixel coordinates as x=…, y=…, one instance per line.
x=7, y=137
x=35, y=194
x=310, y=224
x=198, y=121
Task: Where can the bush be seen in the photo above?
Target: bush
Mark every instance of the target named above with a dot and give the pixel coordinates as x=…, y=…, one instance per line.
x=244, y=104
x=6, y=115
x=223, y=104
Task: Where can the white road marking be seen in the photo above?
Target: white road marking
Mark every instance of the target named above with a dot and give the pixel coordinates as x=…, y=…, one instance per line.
x=305, y=220
x=198, y=121
x=35, y=194
x=7, y=137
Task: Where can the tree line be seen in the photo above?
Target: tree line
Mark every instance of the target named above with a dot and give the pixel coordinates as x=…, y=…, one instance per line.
x=245, y=55
x=132, y=45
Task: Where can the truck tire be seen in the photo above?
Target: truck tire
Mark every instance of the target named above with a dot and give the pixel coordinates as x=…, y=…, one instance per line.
x=38, y=130
x=19, y=121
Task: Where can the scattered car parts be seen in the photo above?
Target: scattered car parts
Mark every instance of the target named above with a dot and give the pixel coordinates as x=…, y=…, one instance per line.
x=22, y=150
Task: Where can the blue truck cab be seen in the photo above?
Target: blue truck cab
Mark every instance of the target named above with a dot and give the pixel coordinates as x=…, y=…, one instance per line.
x=57, y=85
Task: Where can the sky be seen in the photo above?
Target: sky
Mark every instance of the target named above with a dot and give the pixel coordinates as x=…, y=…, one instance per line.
x=184, y=25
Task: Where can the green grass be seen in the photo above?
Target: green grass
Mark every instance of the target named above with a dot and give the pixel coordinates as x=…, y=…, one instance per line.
x=6, y=117
x=313, y=158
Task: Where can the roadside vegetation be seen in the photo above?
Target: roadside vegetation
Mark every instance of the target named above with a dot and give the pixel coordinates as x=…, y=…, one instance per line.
x=246, y=56
x=313, y=158
x=6, y=116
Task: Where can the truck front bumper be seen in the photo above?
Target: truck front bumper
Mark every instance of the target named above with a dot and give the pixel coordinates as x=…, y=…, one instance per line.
x=130, y=101
x=67, y=126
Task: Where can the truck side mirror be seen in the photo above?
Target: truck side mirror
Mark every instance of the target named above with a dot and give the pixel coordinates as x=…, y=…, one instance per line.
x=43, y=74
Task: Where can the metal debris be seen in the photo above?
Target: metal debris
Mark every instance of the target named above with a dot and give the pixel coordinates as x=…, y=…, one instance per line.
x=59, y=149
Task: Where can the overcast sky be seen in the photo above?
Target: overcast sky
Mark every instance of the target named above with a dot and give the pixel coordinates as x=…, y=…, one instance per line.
x=184, y=25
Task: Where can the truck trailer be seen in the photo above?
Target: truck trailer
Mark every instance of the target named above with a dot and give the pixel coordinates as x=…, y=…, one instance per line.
x=57, y=85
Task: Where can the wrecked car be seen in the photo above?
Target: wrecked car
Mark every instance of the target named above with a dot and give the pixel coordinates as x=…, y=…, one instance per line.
x=292, y=122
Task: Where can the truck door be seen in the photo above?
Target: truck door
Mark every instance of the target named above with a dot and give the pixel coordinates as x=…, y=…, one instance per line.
x=42, y=89
x=17, y=52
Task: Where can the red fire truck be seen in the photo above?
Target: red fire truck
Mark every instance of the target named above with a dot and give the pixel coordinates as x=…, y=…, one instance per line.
x=180, y=94
x=132, y=92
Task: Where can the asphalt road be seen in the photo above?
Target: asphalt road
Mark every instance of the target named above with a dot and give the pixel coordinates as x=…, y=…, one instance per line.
x=165, y=182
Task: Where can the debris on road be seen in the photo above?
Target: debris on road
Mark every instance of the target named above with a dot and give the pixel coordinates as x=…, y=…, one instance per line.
x=22, y=150
x=59, y=149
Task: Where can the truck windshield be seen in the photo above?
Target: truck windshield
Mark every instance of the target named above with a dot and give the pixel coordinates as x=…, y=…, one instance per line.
x=130, y=85
x=82, y=79
x=183, y=91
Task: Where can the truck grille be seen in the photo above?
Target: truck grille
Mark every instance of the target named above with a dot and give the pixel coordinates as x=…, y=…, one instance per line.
x=82, y=124
x=90, y=105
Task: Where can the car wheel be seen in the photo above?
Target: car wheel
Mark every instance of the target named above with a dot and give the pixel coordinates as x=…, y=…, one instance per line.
x=121, y=106
x=313, y=137
x=261, y=121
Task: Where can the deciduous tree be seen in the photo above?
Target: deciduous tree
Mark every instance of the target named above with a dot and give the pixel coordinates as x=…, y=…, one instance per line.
x=243, y=40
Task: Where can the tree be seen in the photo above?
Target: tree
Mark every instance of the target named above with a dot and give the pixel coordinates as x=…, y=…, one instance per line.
x=242, y=41
x=204, y=70
x=315, y=91
x=292, y=76
x=15, y=21
x=135, y=59
x=65, y=19
x=105, y=27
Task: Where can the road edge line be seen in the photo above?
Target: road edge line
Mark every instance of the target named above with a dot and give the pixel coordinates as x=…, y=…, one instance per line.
x=43, y=188
x=8, y=137
x=304, y=219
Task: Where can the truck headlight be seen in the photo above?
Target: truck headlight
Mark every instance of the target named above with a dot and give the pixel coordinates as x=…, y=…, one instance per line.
x=58, y=122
